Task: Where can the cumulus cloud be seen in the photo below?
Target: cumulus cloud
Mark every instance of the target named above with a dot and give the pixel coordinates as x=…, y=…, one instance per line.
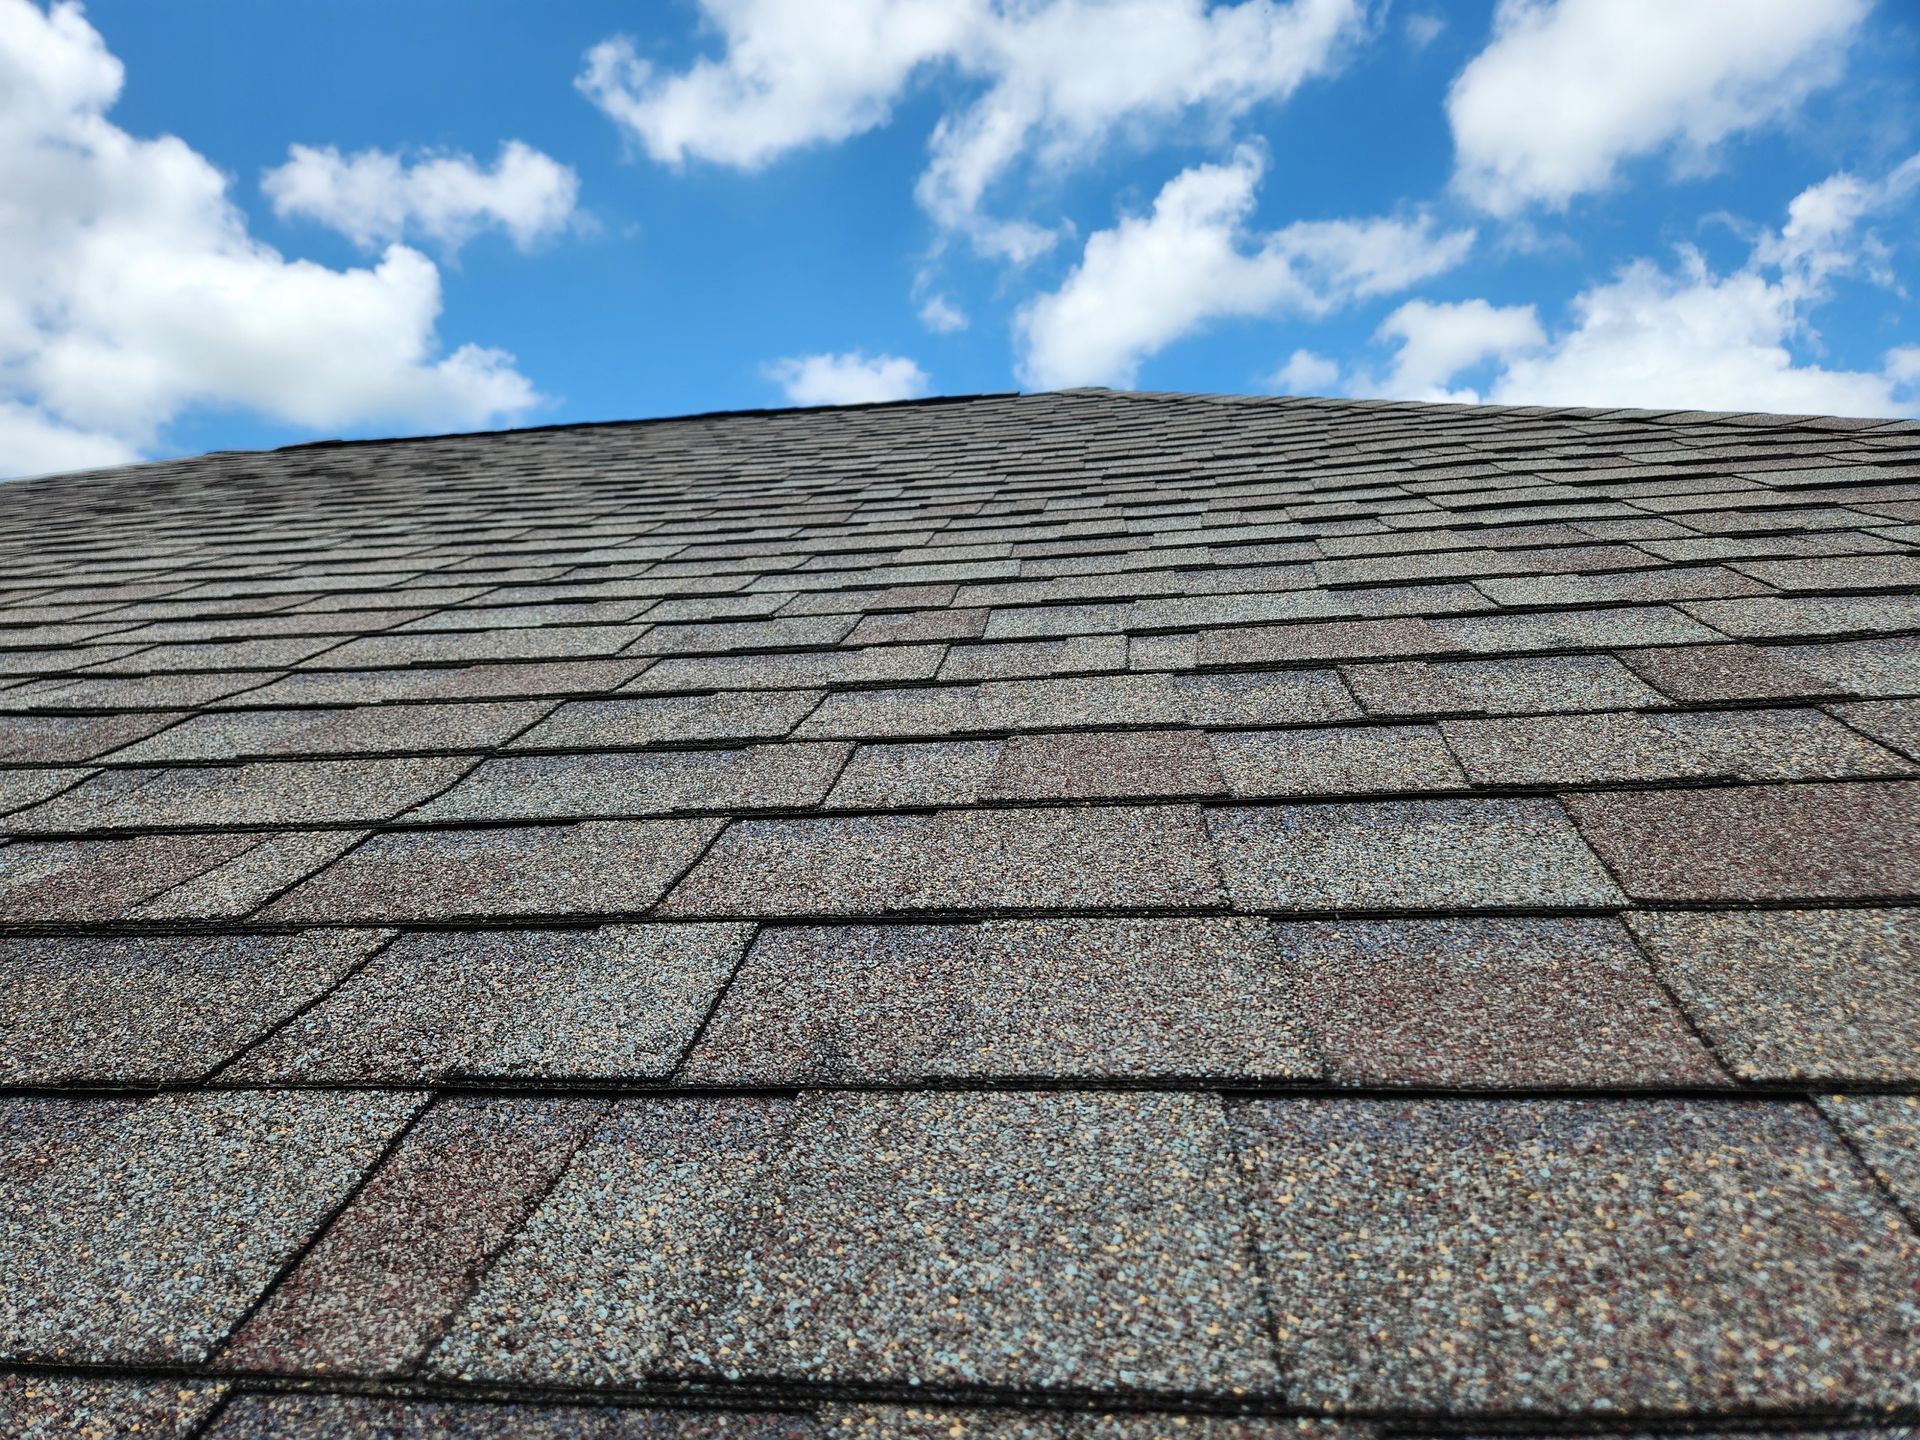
x=374, y=197
x=1306, y=373
x=852, y=378
x=1438, y=341
x=1194, y=258
x=942, y=316
x=1684, y=335
x=133, y=290
x=1567, y=89
x=1051, y=81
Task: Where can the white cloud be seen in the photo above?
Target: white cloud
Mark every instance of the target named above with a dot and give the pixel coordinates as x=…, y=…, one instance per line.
x=1567, y=89
x=373, y=197
x=1059, y=78
x=1437, y=342
x=1306, y=373
x=133, y=291
x=1422, y=28
x=942, y=316
x=1153, y=278
x=1686, y=336
x=853, y=378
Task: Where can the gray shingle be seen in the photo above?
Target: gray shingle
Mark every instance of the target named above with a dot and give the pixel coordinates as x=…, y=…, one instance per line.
x=58, y=1407
x=1525, y=686
x=64, y=739
x=1091, y=998
x=1088, y=1240
x=1339, y=760
x=139, y=1231
x=621, y=1001
x=1494, y=1003
x=561, y=787
x=886, y=777
x=1489, y=1256
x=605, y=867
x=1041, y=859
x=1136, y=763
x=294, y=792
x=395, y=728
x=362, y=1417
x=1885, y=1129
x=1797, y=994
x=1407, y=854
x=157, y=1008
x=1712, y=745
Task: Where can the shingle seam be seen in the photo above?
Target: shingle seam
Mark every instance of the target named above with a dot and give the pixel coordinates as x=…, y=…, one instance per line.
x=212, y=1077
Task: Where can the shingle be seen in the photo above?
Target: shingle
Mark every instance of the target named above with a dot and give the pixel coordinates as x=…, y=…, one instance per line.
x=148, y=1009
x=1767, y=618
x=670, y=720
x=1861, y=667
x=1574, y=629
x=919, y=627
x=141, y=1231
x=720, y=636
x=63, y=739
x=154, y=692
x=918, y=1003
x=1282, y=697
x=1761, y=842
x=364, y=1417
x=375, y=1291
x=1042, y=621
x=1122, y=858
x=1489, y=1003
x=547, y=642
x=1631, y=586
x=1838, y=573
x=619, y=1002
x=467, y=682
x=1338, y=760
x=1710, y=745
x=887, y=714
x=1407, y=854
x=1544, y=684
x=1892, y=722
x=610, y=867
x=936, y=772
x=1333, y=640
x=1068, y=1240
x=1723, y=672
x=1136, y=763
x=68, y=880
x=232, y=734
x=911, y=1423
x=1885, y=1130
x=237, y=887
x=1091, y=700
x=295, y=792
x=562, y=787
x=1797, y=994
x=76, y=1407
x=1577, y=1256
x=220, y=655
x=21, y=788
x=875, y=665
x=1035, y=657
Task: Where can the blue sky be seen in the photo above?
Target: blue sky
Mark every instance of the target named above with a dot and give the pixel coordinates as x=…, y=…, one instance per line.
x=227, y=224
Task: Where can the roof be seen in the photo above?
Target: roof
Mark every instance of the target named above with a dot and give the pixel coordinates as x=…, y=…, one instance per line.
x=1066, y=915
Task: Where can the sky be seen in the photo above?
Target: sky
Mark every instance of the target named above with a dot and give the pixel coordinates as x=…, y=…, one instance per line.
x=228, y=225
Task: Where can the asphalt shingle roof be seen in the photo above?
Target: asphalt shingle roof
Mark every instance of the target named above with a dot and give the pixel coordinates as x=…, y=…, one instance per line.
x=1062, y=916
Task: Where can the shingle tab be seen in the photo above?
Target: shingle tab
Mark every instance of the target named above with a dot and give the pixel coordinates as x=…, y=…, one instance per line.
x=1339, y=760
x=1759, y=842
x=1409, y=854
x=142, y=1230
x=606, y=867
x=155, y=1008
x=1489, y=1003
x=621, y=1001
x=1095, y=998
x=1489, y=1256
x=1797, y=994
x=565, y=787
x=1076, y=1240
x=1043, y=859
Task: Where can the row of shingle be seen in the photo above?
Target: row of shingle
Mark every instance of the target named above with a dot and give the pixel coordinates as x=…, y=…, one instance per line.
x=1418, y=1256
x=1352, y=760
x=1502, y=1003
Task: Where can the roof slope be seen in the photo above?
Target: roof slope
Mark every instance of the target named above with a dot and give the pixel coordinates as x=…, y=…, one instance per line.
x=1070, y=915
